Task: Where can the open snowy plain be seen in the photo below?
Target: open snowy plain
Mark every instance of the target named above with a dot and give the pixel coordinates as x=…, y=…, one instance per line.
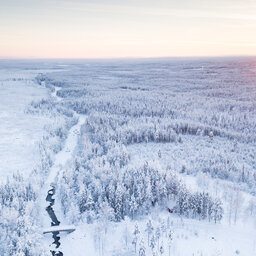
x=141, y=157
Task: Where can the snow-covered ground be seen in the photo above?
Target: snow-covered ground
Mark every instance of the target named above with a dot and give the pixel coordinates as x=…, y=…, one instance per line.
x=189, y=238
x=20, y=133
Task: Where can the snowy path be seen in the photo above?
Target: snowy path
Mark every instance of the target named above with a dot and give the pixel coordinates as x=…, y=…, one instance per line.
x=66, y=154
x=62, y=158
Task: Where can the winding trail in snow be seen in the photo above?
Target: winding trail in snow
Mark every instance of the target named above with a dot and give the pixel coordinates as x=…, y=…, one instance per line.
x=61, y=160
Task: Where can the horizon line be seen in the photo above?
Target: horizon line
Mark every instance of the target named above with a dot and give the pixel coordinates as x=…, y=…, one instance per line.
x=126, y=57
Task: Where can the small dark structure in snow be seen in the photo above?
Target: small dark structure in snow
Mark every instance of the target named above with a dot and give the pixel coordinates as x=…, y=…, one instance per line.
x=170, y=210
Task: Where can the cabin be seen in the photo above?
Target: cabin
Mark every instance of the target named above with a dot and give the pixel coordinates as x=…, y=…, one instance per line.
x=170, y=210
x=171, y=206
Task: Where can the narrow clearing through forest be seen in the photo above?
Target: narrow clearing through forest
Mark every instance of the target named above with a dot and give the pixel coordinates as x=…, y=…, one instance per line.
x=61, y=159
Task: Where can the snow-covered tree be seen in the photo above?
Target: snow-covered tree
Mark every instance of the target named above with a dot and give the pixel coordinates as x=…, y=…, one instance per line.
x=136, y=233
x=157, y=235
x=170, y=238
x=142, y=250
x=152, y=243
x=161, y=249
x=133, y=206
x=149, y=229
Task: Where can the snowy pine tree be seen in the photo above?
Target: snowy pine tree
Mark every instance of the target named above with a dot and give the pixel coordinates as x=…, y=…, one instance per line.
x=149, y=229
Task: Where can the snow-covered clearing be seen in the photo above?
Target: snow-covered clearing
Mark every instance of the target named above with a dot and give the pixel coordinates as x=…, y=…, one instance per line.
x=20, y=133
x=190, y=238
x=193, y=151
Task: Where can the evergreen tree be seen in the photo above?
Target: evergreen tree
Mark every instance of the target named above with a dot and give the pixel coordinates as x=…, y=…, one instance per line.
x=170, y=238
x=152, y=243
x=133, y=206
x=82, y=200
x=119, y=202
x=136, y=233
x=157, y=235
x=162, y=248
x=149, y=229
x=142, y=250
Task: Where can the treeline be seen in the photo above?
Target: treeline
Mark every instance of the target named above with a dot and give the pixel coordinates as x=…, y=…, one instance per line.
x=132, y=192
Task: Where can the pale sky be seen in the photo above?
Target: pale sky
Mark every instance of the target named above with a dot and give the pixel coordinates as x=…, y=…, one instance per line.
x=113, y=29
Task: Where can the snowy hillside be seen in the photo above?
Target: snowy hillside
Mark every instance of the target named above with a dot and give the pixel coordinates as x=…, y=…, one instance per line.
x=139, y=157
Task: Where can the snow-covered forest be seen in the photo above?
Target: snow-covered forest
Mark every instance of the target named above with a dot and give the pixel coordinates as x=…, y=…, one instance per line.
x=142, y=157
